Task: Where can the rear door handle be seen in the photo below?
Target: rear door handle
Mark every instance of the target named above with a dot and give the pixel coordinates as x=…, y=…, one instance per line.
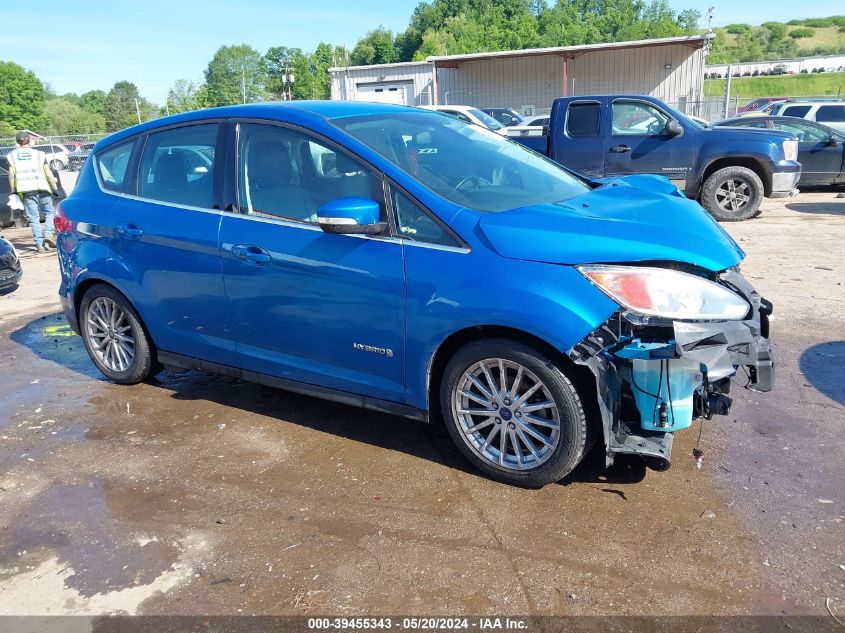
x=251, y=253
x=620, y=149
x=128, y=229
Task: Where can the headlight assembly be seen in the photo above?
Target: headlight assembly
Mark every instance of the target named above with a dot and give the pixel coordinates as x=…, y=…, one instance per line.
x=666, y=293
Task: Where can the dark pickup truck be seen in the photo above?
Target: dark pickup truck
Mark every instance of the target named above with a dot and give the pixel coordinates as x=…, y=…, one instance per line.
x=729, y=170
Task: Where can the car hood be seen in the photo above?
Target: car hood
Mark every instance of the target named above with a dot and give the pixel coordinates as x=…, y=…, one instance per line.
x=732, y=133
x=631, y=219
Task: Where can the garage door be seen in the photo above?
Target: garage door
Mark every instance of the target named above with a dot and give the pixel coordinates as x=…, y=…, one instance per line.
x=384, y=93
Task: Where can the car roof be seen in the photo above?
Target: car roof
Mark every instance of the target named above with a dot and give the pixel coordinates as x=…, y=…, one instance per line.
x=302, y=111
x=459, y=108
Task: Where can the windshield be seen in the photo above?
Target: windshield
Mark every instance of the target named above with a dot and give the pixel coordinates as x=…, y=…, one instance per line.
x=465, y=164
x=486, y=119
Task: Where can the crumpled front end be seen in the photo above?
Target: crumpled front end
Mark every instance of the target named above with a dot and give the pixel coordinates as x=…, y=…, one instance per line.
x=654, y=376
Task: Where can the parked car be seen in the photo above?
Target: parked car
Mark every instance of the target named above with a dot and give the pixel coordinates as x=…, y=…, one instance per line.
x=10, y=265
x=505, y=116
x=57, y=155
x=468, y=114
x=830, y=113
x=756, y=104
x=729, y=171
x=406, y=262
x=765, y=110
x=536, y=121
x=8, y=216
x=821, y=149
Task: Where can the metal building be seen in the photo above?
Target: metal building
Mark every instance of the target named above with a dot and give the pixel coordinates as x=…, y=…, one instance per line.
x=528, y=80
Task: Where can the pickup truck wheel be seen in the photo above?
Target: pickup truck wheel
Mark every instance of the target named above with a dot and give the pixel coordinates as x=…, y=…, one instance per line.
x=732, y=194
x=513, y=413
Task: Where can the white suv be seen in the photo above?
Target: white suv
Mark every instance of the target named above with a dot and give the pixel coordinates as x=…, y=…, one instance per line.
x=830, y=113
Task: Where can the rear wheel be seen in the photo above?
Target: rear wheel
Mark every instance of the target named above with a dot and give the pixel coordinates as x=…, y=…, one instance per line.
x=56, y=165
x=114, y=337
x=732, y=194
x=513, y=413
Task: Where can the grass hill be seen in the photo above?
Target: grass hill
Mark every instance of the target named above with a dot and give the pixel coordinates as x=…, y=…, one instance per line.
x=737, y=43
x=810, y=85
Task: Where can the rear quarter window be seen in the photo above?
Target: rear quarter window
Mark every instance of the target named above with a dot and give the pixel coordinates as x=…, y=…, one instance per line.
x=582, y=119
x=831, y=113
x=112, y=165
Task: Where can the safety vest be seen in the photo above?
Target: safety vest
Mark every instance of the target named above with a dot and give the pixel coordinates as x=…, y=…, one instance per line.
x=29, y=164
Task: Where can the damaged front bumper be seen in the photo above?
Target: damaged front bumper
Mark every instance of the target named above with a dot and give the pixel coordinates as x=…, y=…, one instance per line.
x=654, y=376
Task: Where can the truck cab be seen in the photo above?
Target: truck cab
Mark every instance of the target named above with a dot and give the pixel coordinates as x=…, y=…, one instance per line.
x=619, y=135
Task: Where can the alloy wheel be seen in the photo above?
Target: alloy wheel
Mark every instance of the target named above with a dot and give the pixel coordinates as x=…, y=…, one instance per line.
x=733, y=194
x=506, y=414
x=110, y=334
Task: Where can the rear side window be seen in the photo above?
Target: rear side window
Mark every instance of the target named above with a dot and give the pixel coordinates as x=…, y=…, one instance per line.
x=112, y=165
x=177, y=166
x=582, y=119
x=796, y=111
x=831, y=113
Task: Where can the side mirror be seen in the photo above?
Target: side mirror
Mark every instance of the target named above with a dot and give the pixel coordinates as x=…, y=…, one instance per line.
x=351, y=216
x=673, y=128
x=832, y=142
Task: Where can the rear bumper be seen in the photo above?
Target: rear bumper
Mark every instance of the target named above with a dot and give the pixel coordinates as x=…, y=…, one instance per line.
x=70, y=312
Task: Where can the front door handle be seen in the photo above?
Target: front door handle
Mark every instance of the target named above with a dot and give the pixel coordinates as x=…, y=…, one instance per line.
x=128, y=229
x=251, y=253
x=620, y=149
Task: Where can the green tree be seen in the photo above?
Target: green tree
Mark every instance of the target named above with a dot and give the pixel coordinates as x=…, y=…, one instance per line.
x=376, y=47
x=22, y=97
x=236, y=74
x=122, y=105
x=66, y=117
x=801, y=33
x=185, y=96
x=93, y=101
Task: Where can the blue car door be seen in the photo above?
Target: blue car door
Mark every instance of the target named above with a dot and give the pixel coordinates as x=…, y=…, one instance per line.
x=639, y=144
x=165, y=242
x=304, y=305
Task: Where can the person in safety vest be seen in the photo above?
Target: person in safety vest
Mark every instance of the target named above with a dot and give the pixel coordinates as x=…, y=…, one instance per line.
x=30, y=177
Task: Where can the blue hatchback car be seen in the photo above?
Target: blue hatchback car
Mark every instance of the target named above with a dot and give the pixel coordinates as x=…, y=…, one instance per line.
x=395, y=259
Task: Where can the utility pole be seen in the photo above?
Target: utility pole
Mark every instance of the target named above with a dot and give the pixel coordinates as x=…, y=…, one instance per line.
x=138, y=109
x=243, y=82
x=728, y=89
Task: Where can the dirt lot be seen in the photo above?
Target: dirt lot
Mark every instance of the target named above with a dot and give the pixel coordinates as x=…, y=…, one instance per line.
x=199, y=494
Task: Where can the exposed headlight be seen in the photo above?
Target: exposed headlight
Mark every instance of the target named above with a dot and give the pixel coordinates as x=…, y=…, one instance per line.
x=666, y=293
x=790, y=150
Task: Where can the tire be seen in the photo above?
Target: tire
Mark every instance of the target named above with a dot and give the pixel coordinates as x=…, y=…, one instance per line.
x=519, y=465
x=121, y=361
x=732, y=194
x=56, y=165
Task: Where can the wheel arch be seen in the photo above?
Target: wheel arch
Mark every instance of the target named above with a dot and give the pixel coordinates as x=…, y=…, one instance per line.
x=581, y=377
x=756, y=165
x=83, y=286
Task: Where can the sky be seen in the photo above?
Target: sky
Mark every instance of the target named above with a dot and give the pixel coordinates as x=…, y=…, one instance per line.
x=86, y=44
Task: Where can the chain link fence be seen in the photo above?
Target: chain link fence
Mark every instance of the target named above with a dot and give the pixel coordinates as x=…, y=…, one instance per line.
x=65, y=152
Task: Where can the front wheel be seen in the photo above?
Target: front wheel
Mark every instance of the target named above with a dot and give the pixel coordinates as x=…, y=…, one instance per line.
x=113, y=336
x=513, y=413
x=732, y=194
x=56, y=165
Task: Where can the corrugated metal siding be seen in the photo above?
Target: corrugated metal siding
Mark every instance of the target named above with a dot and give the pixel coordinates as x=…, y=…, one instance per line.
x=345, y=81
x=640, y=71
x=536, y=81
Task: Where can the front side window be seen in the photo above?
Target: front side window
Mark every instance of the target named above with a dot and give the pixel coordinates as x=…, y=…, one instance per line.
x=582, y=119
x=797, y=111
x=635, y=118
x=465, y=164
x=805, y=133
x=177, y=166
x=416, y=224
x=112, y=165
x=285, y=174
x=831, y=114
